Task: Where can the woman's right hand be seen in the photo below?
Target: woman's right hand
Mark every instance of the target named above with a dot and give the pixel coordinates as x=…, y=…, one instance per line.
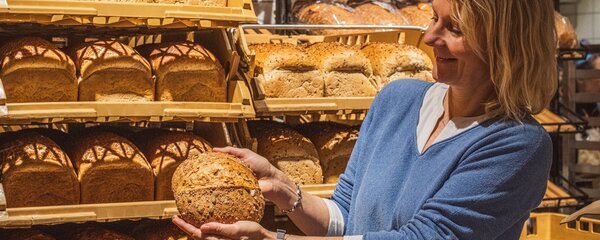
x=274, y=184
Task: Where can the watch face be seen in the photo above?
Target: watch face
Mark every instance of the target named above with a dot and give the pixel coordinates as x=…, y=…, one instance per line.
x=280, y=234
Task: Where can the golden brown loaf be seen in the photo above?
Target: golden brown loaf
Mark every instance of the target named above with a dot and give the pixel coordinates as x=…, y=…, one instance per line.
x=28, y=234
x=567, y=36
x=346, y=69
x=111, y=169
x=34, y=70
x=95, y=233
x=374, y=14
x=325, y=13
x=186, y=72
x=36, y=172
x=217, y=187
x=112, y=71
x=160, y=231
x=334, y=142
x=393, y=61
x=207, y=3
x=288, y=151
x=418, y=15
x=165, y=151
x=287, y=71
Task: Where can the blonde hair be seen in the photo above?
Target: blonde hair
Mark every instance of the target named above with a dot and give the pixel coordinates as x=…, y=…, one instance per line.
x=516, y=38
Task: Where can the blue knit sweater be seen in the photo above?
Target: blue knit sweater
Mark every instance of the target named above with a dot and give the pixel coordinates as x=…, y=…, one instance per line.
x=479, y=184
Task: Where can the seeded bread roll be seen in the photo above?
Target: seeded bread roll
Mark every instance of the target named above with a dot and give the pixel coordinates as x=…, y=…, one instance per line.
x=111, y=169
x=394, y=61
x=96, y=233
x=186, y=71
x=112, y=71
x=418, y=15
x=288, y=151
x=160, y=231
x=34, y=70
x=217, y=187
x=165, y=151
x=287, y=71
x=347, y=70
x=28, y=234
x=334, y=142
x=36, y=172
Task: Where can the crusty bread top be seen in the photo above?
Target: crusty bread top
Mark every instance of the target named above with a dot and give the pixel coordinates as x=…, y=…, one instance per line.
x=281, y=56
x=42, y=53
x=29, y=147
x=168, y=146
x=159, y=231
x=418, y=15
x=334, y=56
x=567, y=36
x=179, y=57
x=28, y=234
x=388, y=58
x=278, y=141
x=213, y=170
x=374, y=14
x=99, y=55
x=100, y=234
x=322, y=133
x=98, y=147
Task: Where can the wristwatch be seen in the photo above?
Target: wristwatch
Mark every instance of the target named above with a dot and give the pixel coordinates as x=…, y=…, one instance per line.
x=280, y=234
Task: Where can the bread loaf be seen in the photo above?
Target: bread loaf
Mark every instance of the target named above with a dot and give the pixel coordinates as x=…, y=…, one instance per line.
x=217, y=187
x=334, y=142
x=112, y=71
x=34, y=70
x=165, y=151
x=374, y=14
x=325, y=13
x=61, y=138
x=346, y=69
x=567, y=36
x=186, y=72
x=96, y=233
x=393, y=61
x=160, y=231
x=28, y=234
x=111, y=169
x=207, y=3
x=36, y=172
x=287, y=71
x=418, y=15
x=288, y=151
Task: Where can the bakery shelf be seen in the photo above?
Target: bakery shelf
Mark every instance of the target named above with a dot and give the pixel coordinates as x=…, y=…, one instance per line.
x=342, y=106
x=547, y=226
x=120, y=14
x=106, y=212
x=26, y=113
x=554, y=123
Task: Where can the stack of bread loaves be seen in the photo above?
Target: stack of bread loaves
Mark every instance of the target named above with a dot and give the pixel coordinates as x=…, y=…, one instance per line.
x=334, y=142
x=216, y=187
x=112, y=71
x=34, y=70
x=288, y=151
x=111, y=169
x=36, y=172
x=393, y=61
x=165, y=150
x=287, y=71
x=186, y=71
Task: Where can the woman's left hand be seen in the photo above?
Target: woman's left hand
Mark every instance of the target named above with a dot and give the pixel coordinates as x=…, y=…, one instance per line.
x=240, y=230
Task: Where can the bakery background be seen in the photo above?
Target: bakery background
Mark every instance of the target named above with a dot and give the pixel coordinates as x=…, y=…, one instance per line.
x=101, y=101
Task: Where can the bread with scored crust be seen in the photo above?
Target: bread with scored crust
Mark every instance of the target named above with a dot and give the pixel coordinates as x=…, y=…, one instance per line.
x=34, y=70
x=97, y=233
x=112, y=71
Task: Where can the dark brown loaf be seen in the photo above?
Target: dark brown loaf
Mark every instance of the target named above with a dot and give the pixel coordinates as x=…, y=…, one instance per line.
x=160, y=231
x=34, y=70
x=112, y=71
x=334, y=142
x=186, y=71
x=111, y=169
x=346, y=69
x=393, y=61
x=217, y=187
x=28, y=234
x=287, y=71
x=36, y=172
x=165, y=151
x=288, y=151
x=94, y=233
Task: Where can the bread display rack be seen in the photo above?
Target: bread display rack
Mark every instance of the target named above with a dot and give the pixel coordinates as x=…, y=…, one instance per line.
x=253, y=34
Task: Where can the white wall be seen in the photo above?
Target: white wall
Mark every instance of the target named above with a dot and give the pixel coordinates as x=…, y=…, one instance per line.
x=585, y=16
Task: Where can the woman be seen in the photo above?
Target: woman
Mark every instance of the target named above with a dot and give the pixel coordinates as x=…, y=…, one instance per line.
x=459, y=159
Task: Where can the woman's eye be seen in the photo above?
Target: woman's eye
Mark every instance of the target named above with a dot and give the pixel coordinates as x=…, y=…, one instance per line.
x=434, y=18
x=454, y=30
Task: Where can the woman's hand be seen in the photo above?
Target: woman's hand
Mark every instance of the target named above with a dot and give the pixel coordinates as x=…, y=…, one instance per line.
x=274, y=184
x=239, y=230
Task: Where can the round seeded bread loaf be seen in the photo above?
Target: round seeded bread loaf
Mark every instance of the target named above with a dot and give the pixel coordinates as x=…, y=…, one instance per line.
x=217, y=187
x=288, y=151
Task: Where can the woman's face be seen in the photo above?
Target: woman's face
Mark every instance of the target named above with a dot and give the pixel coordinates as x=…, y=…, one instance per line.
x=456, y=64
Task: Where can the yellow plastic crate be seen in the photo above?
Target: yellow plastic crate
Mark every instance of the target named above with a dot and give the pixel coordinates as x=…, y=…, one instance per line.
x=546, y=226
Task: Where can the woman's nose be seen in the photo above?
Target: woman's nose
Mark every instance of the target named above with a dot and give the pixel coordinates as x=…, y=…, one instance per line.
x=432, y=36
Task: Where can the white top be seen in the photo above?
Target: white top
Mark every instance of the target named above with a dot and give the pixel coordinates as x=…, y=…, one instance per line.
x=429, y=114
